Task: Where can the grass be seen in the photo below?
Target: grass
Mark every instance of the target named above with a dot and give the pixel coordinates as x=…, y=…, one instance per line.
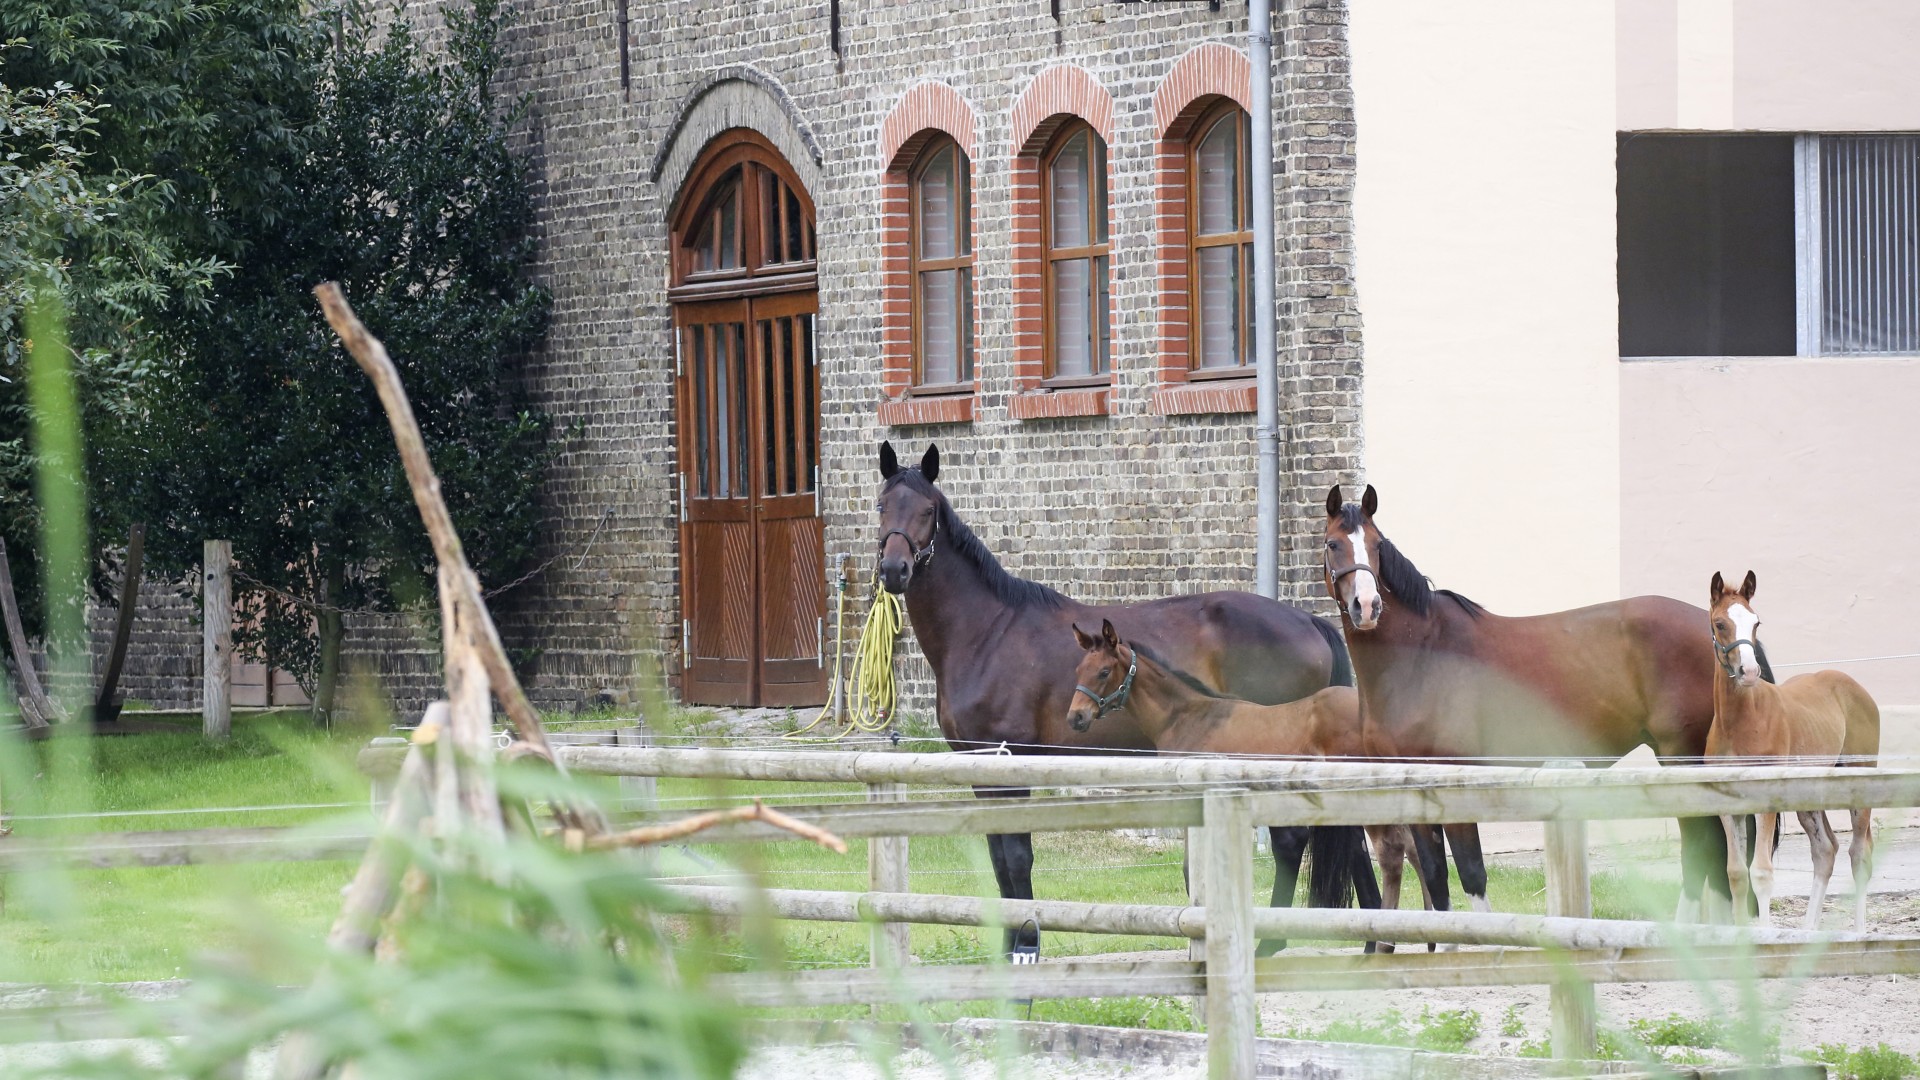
x=152, y=923
x=1448, y=1031
x=1880, y=1062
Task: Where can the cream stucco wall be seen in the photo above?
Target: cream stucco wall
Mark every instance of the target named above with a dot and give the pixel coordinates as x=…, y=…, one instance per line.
x=1485, y=236
x=1806, y=471
x=1779, y=65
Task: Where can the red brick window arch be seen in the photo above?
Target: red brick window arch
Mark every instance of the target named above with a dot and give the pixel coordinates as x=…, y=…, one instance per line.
x=929, y=304
x=1073, y=216
x=1062, y=125
x=1204, y=235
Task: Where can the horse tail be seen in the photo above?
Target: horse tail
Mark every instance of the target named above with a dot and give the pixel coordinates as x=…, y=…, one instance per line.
x=1339, y=867
x=1342, y=662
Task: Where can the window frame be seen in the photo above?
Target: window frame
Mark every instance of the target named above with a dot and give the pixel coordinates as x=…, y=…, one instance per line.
x=746, y=158
x=1097, y=204
x=964, y=357
x=1223, y=110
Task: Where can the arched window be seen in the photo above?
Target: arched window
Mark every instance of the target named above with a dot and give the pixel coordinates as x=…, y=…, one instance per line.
x=1074, y=237
x=751, y=223
x=940, y=261
x=1220, y=240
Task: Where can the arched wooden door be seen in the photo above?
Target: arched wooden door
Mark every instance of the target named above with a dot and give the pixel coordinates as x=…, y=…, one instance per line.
x=752, y=551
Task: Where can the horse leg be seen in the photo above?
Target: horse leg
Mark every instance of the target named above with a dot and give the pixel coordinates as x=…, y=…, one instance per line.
x=1704, y=887
x=1392, y=856
x=1860, y=854
x=1735, y=827
x=1464, y=840
x=1762, y=874
x=1012, y=855
x=1289, y=847
x=1823, y=845
x=1430, y=862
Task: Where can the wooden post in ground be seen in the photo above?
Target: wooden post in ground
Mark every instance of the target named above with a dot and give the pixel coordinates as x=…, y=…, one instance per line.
x=216, y=588
x=1196, y=872
x=1570, y=893
x=887, y=872
x=1229, y=874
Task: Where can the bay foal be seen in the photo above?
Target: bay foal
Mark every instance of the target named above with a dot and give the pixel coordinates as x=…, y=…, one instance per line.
x=1181, y=715
x=1820, y=718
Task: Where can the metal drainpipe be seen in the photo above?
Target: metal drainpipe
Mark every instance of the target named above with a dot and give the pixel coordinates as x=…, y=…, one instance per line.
x=1266, y=430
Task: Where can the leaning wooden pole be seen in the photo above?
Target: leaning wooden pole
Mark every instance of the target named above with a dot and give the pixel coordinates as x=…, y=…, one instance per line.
x=35, y=707
x=104, y=708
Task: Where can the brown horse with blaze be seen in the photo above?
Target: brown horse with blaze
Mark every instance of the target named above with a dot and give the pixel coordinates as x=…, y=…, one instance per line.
x=1441, y=678
x=1822, y=718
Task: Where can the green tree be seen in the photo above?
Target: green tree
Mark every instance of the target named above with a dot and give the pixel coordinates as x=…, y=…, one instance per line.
x=409, y=194
x=69, y=243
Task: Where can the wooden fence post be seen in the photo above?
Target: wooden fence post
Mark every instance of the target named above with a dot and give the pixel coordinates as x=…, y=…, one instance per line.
x=216, y=588
x=887, y=872
x=1570, y=893
x=1229, y=875
x=1196, y=873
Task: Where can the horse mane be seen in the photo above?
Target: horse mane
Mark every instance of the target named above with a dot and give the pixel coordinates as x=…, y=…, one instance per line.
x=1399, y=576
x=1191, y=683
x=952, y=535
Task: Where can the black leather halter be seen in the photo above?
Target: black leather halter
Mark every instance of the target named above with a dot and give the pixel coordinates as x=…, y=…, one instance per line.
x=1117, y=700
x=921, y=555
x=1724, y=653
x=1355, y=568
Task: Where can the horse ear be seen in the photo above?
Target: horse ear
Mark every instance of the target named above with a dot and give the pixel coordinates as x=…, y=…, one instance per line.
x=1747, y=586
x=889, y=463
x=930, y=463
x=1087, y=641
x=1370, y=502
x=1107, y=635
x=1335, y=501
x=1717, y=587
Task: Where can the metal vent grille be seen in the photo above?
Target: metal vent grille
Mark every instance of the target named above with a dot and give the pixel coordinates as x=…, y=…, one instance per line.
x=1869, y=250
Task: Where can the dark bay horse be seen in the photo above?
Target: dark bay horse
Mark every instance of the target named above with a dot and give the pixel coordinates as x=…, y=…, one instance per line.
x=1183, y=716
x=1442, y=678
x=1003, y=660
x=1820, y=718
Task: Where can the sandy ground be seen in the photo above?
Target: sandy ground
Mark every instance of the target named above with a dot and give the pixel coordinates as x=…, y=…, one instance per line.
x=850, y=1063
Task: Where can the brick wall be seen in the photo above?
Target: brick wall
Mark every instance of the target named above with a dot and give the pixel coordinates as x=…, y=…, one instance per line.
x=1151, y=494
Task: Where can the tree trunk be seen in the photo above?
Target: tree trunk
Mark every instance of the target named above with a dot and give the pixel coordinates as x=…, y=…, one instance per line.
x=105, y=709
x=35, y=708
x=332, y=632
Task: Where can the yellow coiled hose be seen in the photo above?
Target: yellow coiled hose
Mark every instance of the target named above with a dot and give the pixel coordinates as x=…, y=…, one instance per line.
x=871, y=693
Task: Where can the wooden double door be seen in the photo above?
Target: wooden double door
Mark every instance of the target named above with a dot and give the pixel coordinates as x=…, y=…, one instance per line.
x=753, y=566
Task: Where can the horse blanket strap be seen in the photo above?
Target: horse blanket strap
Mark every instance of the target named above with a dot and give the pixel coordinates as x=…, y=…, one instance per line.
x=1117, y=700
x=1724, y=654
x=921, y=555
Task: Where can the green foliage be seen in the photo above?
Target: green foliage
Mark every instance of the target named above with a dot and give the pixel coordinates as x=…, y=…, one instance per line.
x=1678, y=1030
x=1512, y=1024
x=1445, y=1031
x=70, y=249
x=1880, y=1062
x=411, y=196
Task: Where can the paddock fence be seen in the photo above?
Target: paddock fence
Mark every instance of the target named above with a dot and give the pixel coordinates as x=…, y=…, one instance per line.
x=1220, y=801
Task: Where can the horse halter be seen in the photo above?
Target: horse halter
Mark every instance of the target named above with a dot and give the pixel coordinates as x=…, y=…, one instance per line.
x=1337, y=575
x=1117, y=700
x=921, y=555
x=1722, y=653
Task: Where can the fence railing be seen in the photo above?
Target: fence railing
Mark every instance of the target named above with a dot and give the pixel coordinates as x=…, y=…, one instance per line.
x=1224, y=799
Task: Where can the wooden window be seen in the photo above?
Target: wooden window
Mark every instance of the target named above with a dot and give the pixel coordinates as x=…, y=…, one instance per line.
x=1073, y=234
x=752, y=230
x=940, y=260
x=1220, y=244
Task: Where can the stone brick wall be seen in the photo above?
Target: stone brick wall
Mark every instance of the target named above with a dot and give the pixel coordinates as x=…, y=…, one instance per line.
x=1136, y=490
x=1133, y=502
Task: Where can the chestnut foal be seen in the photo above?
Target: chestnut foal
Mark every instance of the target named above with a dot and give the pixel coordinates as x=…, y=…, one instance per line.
x=1182, y=716
x=1815, y=719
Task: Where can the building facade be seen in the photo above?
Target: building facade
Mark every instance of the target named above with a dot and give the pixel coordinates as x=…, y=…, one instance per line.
x=1641, y=284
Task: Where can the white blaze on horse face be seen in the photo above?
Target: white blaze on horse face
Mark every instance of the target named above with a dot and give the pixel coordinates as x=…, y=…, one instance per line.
x=1744, y=622
x=1364, y=605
